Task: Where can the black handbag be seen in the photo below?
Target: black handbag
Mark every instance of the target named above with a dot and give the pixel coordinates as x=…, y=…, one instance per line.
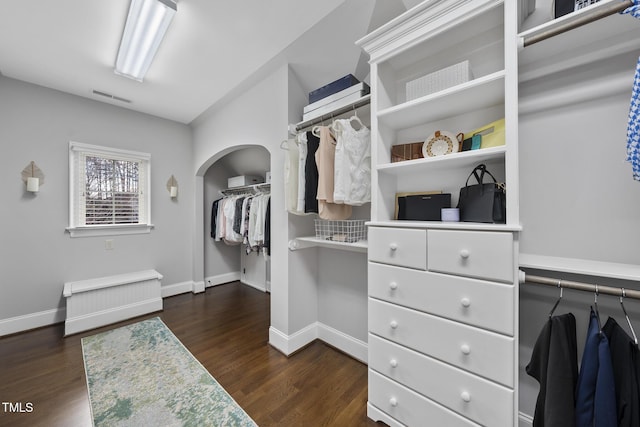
x=423, y=207
x=482, y=202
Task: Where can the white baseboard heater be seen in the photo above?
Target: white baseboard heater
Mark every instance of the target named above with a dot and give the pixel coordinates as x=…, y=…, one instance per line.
x=101, y=301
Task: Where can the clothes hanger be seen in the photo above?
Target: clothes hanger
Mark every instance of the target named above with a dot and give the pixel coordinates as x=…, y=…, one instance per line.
x=356, y=119
x=316, y=129
x=557, y=301
x=635, y=338
x=595, y=303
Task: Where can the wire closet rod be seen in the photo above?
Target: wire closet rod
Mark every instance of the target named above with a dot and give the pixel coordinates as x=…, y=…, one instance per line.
x=570, y=24
x=580, y=286
x=365, y=100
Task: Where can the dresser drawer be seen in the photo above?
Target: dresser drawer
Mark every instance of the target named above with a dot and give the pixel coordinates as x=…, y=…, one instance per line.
x=409, y=407
x=398, y=246
x=483, y=401
x=482, y=254
x=488, y=305
x=482, y=352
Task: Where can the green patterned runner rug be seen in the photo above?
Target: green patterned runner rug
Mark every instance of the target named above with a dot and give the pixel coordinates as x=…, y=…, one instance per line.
x=141, y=375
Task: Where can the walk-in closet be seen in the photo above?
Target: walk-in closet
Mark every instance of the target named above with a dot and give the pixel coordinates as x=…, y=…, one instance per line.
x=238, y=176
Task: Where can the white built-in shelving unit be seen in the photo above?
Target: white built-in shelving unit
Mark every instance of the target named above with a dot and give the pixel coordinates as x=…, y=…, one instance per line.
x=436, y=351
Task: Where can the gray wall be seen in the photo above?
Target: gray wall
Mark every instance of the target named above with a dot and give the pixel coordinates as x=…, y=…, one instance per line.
x=38, y=256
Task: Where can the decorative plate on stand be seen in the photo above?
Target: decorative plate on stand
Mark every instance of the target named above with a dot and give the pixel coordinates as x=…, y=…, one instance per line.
x=440, y=143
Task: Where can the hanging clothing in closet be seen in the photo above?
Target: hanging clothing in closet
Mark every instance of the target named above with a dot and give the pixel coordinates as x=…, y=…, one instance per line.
x=242, y=219
x=554, y=365
x=311, y=174
x=301, y=139
x=291, y=167
x=595, y=392
x=352, y=181
x=325, y=159
x=333, y=169
x=626, y=373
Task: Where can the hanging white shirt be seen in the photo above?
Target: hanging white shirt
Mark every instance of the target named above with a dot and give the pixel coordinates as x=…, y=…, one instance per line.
x=352, y=173
x=302, y=160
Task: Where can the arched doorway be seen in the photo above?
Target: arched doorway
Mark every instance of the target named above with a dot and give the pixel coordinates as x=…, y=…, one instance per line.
x=217, y=262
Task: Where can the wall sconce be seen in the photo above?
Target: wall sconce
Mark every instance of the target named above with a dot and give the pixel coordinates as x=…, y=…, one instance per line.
x=33, y=177
x=172, y=187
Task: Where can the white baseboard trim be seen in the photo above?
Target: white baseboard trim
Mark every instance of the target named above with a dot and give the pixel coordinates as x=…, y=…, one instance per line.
x=254, y=285
x=113, y=315
x=525, y=420
x=352, y=346
x=14, y=325
x=222, y=278
x=289, y=344
x=198, y=287
x=17, y=324
x=177, y=289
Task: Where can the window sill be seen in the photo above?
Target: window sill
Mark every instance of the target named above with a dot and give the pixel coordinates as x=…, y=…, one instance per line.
x=109, y=230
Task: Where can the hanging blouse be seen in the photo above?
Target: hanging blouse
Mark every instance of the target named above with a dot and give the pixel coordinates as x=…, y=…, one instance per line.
x=291, y=167
x=633, y=125
x=302, y=161
x=214, y=217
x=229, y=209
x=352, y=180
x=220, y=221
x=311, y=174
x=325, y=158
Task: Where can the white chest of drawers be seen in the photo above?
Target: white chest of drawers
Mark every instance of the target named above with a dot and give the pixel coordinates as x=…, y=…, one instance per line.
x=442, y=327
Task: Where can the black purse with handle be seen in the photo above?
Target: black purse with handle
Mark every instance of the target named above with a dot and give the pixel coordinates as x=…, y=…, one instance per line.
x=482, y=202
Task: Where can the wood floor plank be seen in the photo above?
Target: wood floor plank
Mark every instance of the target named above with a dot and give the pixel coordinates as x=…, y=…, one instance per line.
x=227, y=329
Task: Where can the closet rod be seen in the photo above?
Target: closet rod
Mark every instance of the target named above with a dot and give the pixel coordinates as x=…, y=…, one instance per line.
x=567, y=284
x=262, y=188
x=570, y=24
x=365, y=100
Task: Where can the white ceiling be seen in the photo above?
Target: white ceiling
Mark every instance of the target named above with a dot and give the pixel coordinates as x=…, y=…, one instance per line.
x=210, y=49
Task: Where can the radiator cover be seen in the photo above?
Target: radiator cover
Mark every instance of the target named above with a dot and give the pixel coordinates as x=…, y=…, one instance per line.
x=101, y=301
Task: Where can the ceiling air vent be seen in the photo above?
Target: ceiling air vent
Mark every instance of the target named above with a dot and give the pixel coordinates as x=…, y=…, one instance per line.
x=108, y=95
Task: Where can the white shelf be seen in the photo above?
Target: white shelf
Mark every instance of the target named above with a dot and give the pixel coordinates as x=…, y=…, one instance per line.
x=312, y=242
x=595, y=41
x=477, y=226
x=581, y=266
x=365, y=101
x=463, y=160
x=483, y=92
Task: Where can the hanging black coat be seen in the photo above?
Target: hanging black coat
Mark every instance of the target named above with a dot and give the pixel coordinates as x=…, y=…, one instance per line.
x=554, y=364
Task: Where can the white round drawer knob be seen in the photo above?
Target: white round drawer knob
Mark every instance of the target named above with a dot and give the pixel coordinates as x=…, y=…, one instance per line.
x=393, y=324
x=393, y=246
x=465, y=349
x=465, y=396
x=393, y=363
x=464, y=254
x=466, y=302
x=393, y=401
x=393, y=286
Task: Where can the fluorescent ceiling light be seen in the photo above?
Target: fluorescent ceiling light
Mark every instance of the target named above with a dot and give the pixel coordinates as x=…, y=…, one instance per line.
x=146, y=24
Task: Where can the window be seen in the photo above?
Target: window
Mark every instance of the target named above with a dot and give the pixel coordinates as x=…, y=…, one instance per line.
x=109, y=191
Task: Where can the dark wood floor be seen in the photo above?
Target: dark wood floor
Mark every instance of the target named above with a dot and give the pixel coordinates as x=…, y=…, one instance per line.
x=226, y=329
